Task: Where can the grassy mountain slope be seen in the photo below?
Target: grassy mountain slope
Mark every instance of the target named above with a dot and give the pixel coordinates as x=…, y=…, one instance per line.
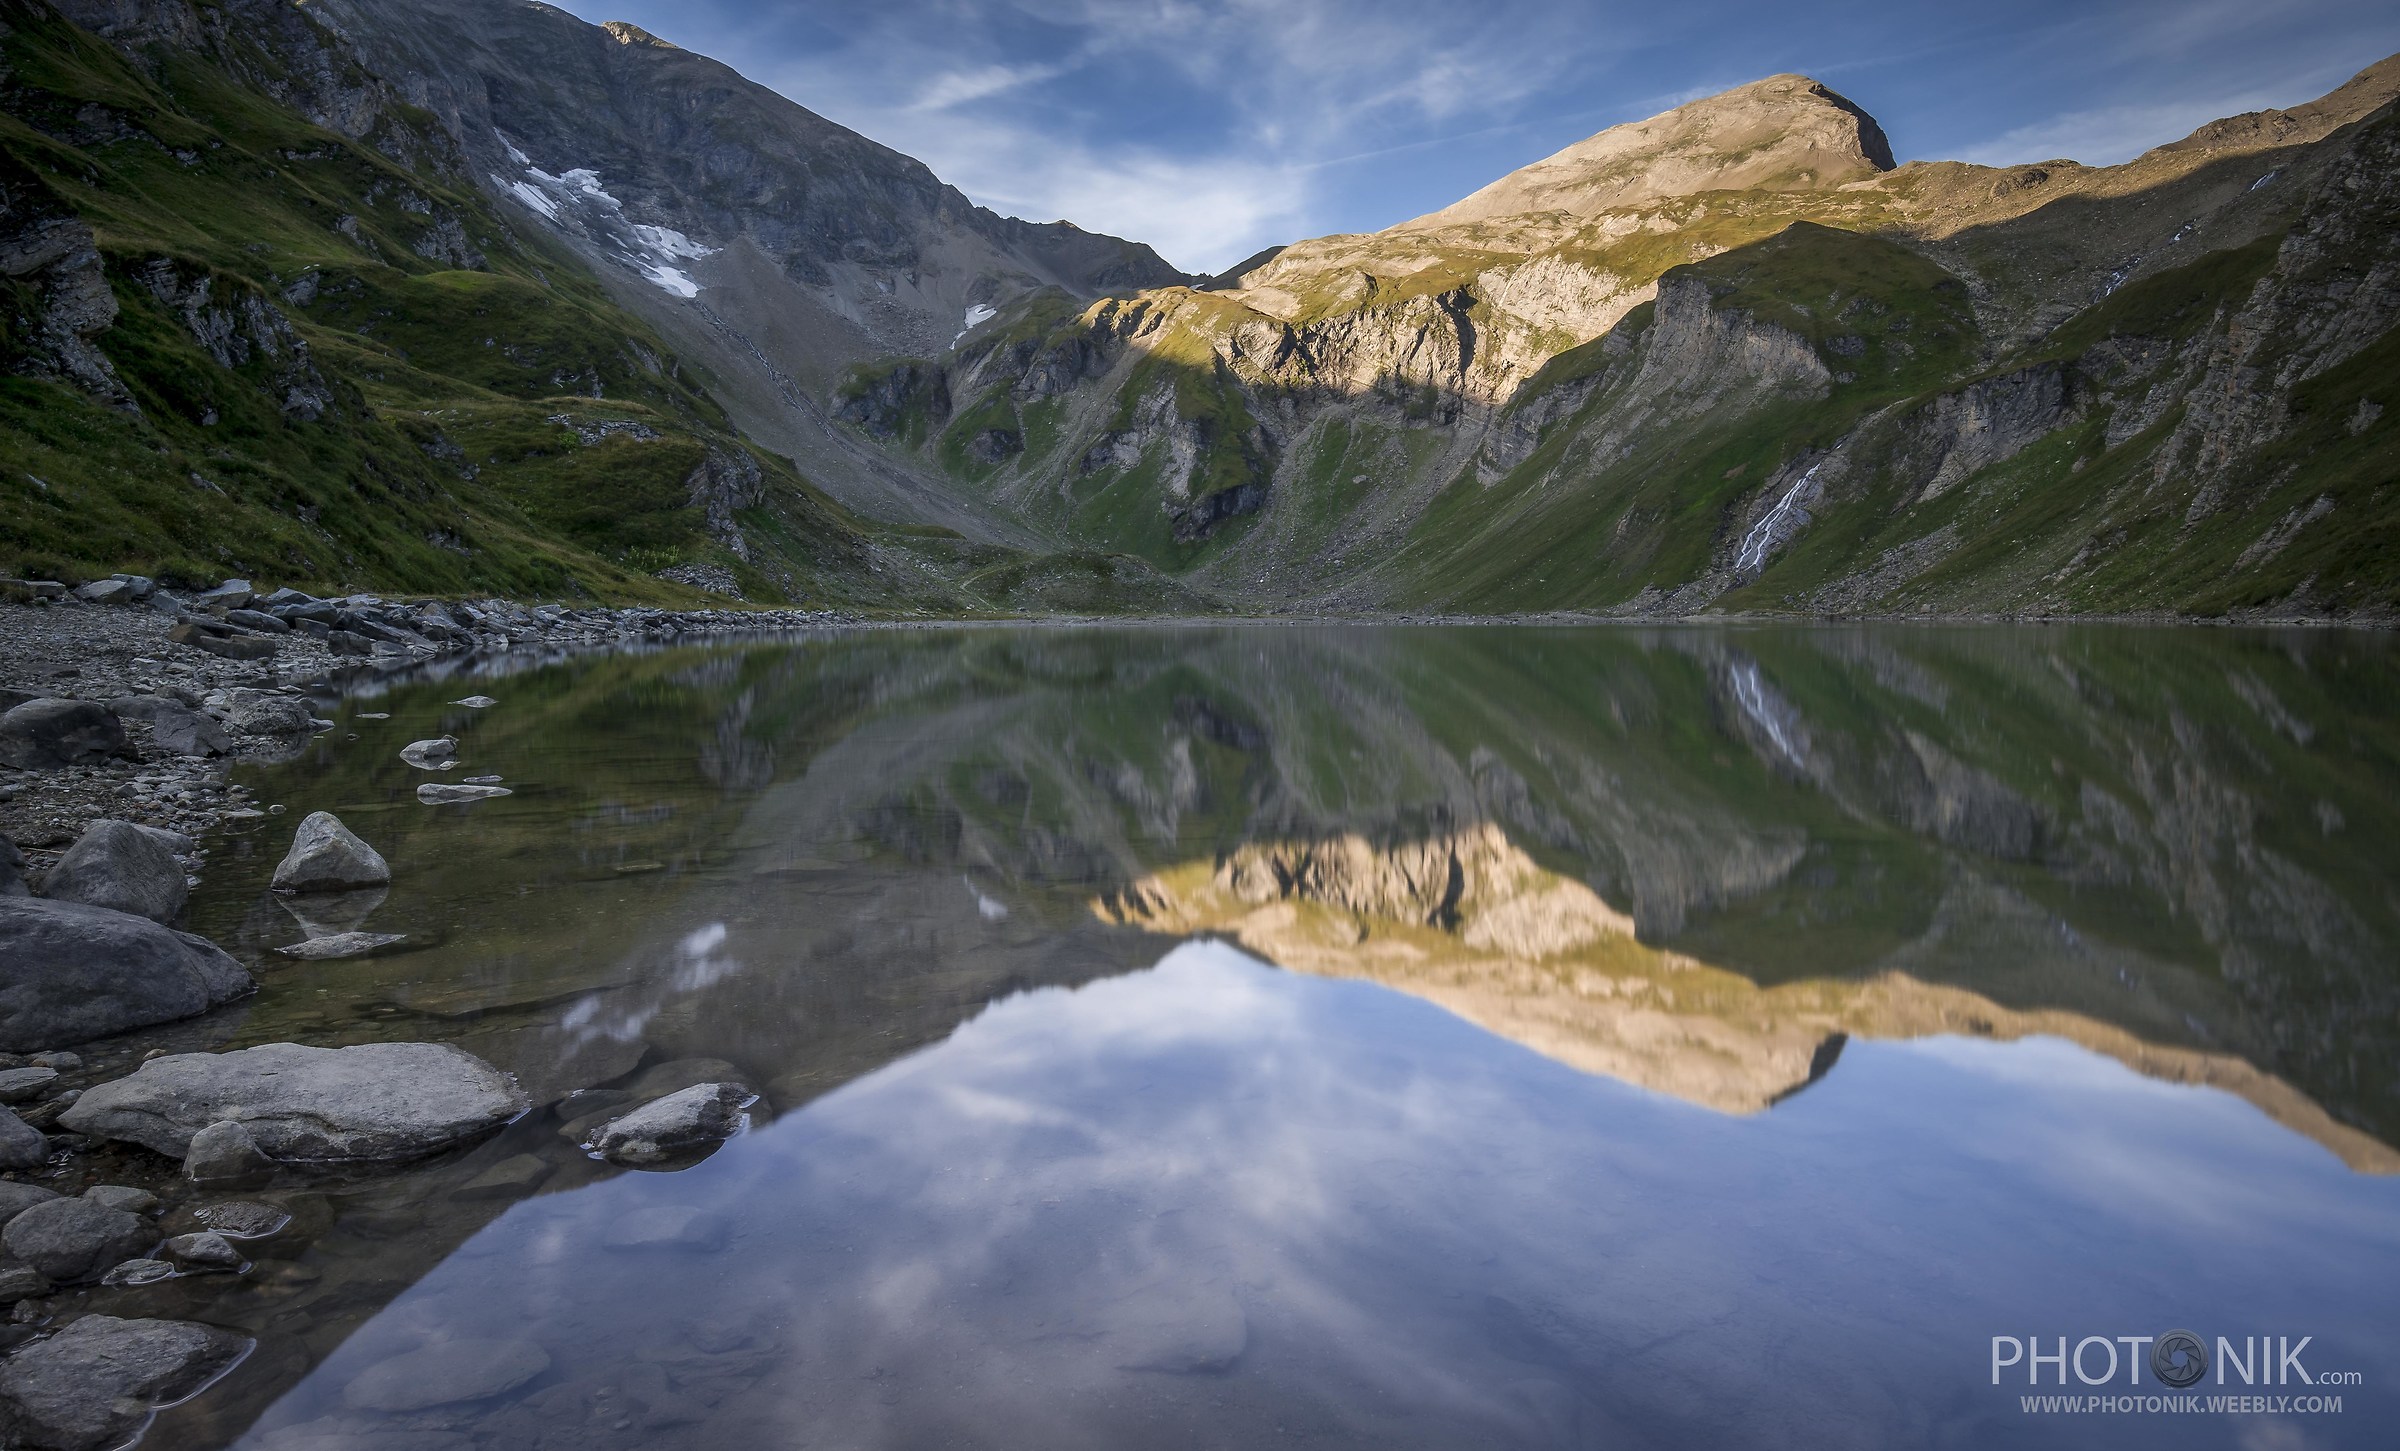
x=1687, y=377
x=238, y=343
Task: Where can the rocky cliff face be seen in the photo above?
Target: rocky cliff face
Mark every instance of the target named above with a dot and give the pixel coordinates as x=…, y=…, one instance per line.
x=1640, y=374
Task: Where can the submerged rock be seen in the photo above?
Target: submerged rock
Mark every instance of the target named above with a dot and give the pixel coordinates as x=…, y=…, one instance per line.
x=118, y=865
x=327, y=857
x=669, y=1227
x=374, y=1101
x=330, y=914
x=123, y=1196
x=450, y=1373
x=205, y=1250
x=242, y=1218
x=47, y=734
x=96, y=1383
x=76, y=972
x=436, y=793
x=138, y=1272
x=690, y=1119
x=342, y=944
x=70, y=1240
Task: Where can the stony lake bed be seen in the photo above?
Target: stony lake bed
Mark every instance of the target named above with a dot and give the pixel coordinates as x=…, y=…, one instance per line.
x=1226, y=1035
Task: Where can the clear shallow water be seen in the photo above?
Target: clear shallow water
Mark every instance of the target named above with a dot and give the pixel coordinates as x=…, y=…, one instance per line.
x=1214, y=1037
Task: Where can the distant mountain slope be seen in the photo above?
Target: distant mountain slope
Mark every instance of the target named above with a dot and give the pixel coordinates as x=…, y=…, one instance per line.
x=236, y=343
x=1733, y=354
x=769, y=245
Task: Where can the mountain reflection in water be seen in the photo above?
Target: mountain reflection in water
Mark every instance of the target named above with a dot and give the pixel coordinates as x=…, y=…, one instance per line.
x=1749, y=896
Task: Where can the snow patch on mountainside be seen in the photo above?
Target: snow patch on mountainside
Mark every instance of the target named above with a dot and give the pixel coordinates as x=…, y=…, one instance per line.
x=574, y=202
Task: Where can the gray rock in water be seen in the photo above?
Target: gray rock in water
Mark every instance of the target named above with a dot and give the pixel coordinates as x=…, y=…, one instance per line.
x=438, y=754
x=668, y=1227
x=692, y=1118
x=20, y=1084
x=44, y=735
x=327, y=857
x=21, y=1144
x=138, y=1272
x=115, y=864
x=342, y=944
x=205, y=1250
x=437, y=793
x=477, y=702
x=74, y=1239
x=12, y=871
x=123, y=1196
x=96, y=1383
x=450, y=1373
x=16, y=1198
x=242, y=1218
x=75, y=973
x=63, y=1062
x=374, y=1101
x=259, y=713
x=21, y=1282
x=225, y=1153
x=516, y=1175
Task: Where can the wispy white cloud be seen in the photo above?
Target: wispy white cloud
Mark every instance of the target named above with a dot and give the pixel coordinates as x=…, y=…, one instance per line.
x=2108, y=135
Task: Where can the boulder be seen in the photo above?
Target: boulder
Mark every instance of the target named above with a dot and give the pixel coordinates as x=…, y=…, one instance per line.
x=225, y=1153
x=21, y=1282
x=43, y=735
x=253, y=620
x=115, y=864
x=12, y=870
x=340, y=945
x=106, y=592
x=438, y=754
x=70, y=1240
x=174, y=726
x=70, y=973
x=16, y=1198
x=96, y=1383
x=19, y=1084
x=181, y=731
x=326, y=857
x=346, y=642
x=22, y=1146
x=263, y=713
x=233, y=594
x=670, y=1127
x=451, y=1372
x=374, y=1101
x=123, y=1196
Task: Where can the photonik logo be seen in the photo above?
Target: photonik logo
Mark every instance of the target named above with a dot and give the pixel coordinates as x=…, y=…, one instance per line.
x=2179, y=1359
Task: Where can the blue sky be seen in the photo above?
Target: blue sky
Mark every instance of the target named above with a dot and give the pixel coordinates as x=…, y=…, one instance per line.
x=1210, y=128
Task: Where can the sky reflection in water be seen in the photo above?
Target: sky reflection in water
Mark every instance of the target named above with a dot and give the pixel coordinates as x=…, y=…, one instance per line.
x=1217, y=1204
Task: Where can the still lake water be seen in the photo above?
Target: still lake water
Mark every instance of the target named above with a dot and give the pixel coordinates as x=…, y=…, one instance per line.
x=1229, y=1037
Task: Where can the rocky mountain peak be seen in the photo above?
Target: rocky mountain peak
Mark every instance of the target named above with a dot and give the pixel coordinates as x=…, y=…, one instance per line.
x=626, y=32
x=1783, y=133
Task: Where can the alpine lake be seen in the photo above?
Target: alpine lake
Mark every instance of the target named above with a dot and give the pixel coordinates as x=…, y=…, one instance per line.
x=1244, y=1036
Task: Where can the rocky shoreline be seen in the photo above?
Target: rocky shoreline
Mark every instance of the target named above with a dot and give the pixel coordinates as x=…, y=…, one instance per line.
x=201, y=680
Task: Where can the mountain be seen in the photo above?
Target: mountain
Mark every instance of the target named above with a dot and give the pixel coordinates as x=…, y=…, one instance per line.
x=443, y=296
x=1732, y=357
